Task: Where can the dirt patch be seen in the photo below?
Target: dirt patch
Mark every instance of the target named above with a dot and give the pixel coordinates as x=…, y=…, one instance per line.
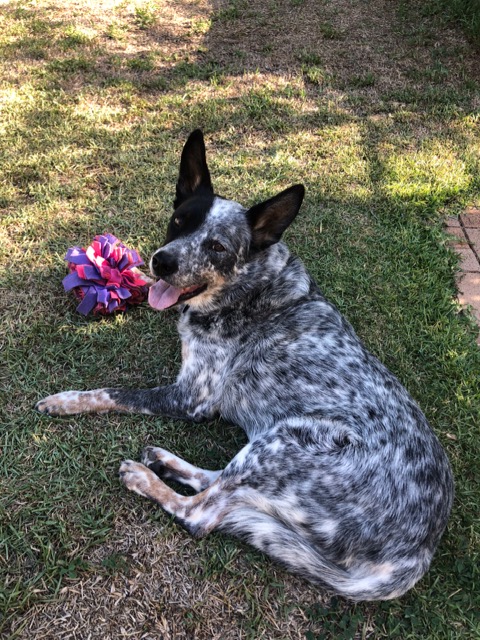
x=151, y=583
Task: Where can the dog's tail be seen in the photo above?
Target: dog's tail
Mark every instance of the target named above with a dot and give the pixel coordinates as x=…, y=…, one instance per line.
x=292, y=550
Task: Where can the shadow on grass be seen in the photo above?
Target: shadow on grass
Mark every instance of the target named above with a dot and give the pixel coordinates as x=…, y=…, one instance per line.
x=378, y=52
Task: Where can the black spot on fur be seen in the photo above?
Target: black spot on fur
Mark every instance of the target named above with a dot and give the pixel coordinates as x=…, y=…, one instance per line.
x=342, y=440
x=158, y=468
x=428, y=475
x=193, y=530
x=189, y=216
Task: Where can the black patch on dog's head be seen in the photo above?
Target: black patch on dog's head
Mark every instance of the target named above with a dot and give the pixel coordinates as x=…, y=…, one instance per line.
x=189, y=216
x=194, y=176
x=194, y=191
x=268, y=220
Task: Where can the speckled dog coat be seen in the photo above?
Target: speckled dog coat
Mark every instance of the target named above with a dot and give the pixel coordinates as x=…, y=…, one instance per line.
x=342, y=481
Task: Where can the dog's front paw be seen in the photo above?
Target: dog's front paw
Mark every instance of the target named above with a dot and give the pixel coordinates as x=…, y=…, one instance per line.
x=136, y=477
x=68, y=403
x=60, y=404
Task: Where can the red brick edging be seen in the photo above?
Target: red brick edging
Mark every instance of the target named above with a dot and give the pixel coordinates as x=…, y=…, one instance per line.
x=466, y=229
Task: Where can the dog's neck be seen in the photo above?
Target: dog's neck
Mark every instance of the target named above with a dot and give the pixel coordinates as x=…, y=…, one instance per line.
x=270, y=278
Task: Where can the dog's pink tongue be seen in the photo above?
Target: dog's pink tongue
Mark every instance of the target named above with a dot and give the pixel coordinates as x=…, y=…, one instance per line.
x=162, y=295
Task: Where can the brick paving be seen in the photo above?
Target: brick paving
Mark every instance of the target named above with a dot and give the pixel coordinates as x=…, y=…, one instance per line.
x=465, y=230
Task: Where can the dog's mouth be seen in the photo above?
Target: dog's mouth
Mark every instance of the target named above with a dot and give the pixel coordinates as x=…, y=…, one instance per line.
x=162, y=295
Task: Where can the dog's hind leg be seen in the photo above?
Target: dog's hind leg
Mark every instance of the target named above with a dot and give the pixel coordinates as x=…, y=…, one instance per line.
x=198, y=514
x=230, y=506
x=168, y=466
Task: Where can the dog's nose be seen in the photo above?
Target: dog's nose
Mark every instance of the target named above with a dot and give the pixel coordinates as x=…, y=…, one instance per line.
x=163, y=264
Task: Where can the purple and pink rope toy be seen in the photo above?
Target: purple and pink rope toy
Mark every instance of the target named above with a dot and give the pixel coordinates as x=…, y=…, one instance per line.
x=105, y=276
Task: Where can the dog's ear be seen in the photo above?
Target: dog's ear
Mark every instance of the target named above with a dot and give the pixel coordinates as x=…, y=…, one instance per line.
x=194, y=173
x=268, y=220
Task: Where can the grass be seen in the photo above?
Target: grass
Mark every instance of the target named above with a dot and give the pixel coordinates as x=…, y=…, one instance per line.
x=145, y=15
x=463, y=12
x=382, y=127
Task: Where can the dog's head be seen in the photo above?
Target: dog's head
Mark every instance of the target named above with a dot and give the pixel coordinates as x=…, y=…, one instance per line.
x=209, y=239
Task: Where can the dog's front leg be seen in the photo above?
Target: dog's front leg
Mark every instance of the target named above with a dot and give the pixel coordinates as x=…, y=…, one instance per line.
x=175, y=401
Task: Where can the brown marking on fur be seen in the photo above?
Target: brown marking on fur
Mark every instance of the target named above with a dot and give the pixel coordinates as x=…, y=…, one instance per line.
x=201, y=513
x=73, y=402
x=216, y=283
x=385, y=569
x=180, y=472
x=185, y=351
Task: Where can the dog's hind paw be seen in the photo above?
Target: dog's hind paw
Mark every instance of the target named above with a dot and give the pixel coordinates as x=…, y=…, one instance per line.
x=153, y=454
x=155, y=459
x=136, y=477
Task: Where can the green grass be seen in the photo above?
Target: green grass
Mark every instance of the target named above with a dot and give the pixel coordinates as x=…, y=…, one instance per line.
x=145, y=16
x=463, y=12
x=93, y=119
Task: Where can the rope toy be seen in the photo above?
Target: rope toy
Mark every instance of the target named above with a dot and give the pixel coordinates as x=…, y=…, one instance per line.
x=104, y=276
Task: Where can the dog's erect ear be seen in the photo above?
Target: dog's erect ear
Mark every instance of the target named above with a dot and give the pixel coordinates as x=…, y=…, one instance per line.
x=194, y=173
x=268, y=220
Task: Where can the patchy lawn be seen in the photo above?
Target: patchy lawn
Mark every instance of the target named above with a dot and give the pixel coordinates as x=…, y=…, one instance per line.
x=375, y=107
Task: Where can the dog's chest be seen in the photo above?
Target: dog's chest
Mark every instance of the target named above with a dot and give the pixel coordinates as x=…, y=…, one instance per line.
x=230, y=368
x=205, y=347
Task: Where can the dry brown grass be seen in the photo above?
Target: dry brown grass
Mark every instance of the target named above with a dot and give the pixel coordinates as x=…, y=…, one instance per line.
x=166, y=594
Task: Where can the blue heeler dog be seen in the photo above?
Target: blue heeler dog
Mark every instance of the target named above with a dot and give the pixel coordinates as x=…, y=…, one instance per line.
x=343, y=481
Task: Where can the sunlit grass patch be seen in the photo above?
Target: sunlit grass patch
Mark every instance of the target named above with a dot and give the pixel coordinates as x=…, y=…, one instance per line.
x=74, y=37
x=145, y=14
x=200, y=25
x=434, y=172
x=116, y=31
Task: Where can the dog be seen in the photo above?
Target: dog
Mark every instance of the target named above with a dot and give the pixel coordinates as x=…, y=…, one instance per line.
x=342, y=481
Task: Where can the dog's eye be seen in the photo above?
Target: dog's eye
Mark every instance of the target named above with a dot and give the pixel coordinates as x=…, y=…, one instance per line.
x=177, y=222
x=217, y=247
